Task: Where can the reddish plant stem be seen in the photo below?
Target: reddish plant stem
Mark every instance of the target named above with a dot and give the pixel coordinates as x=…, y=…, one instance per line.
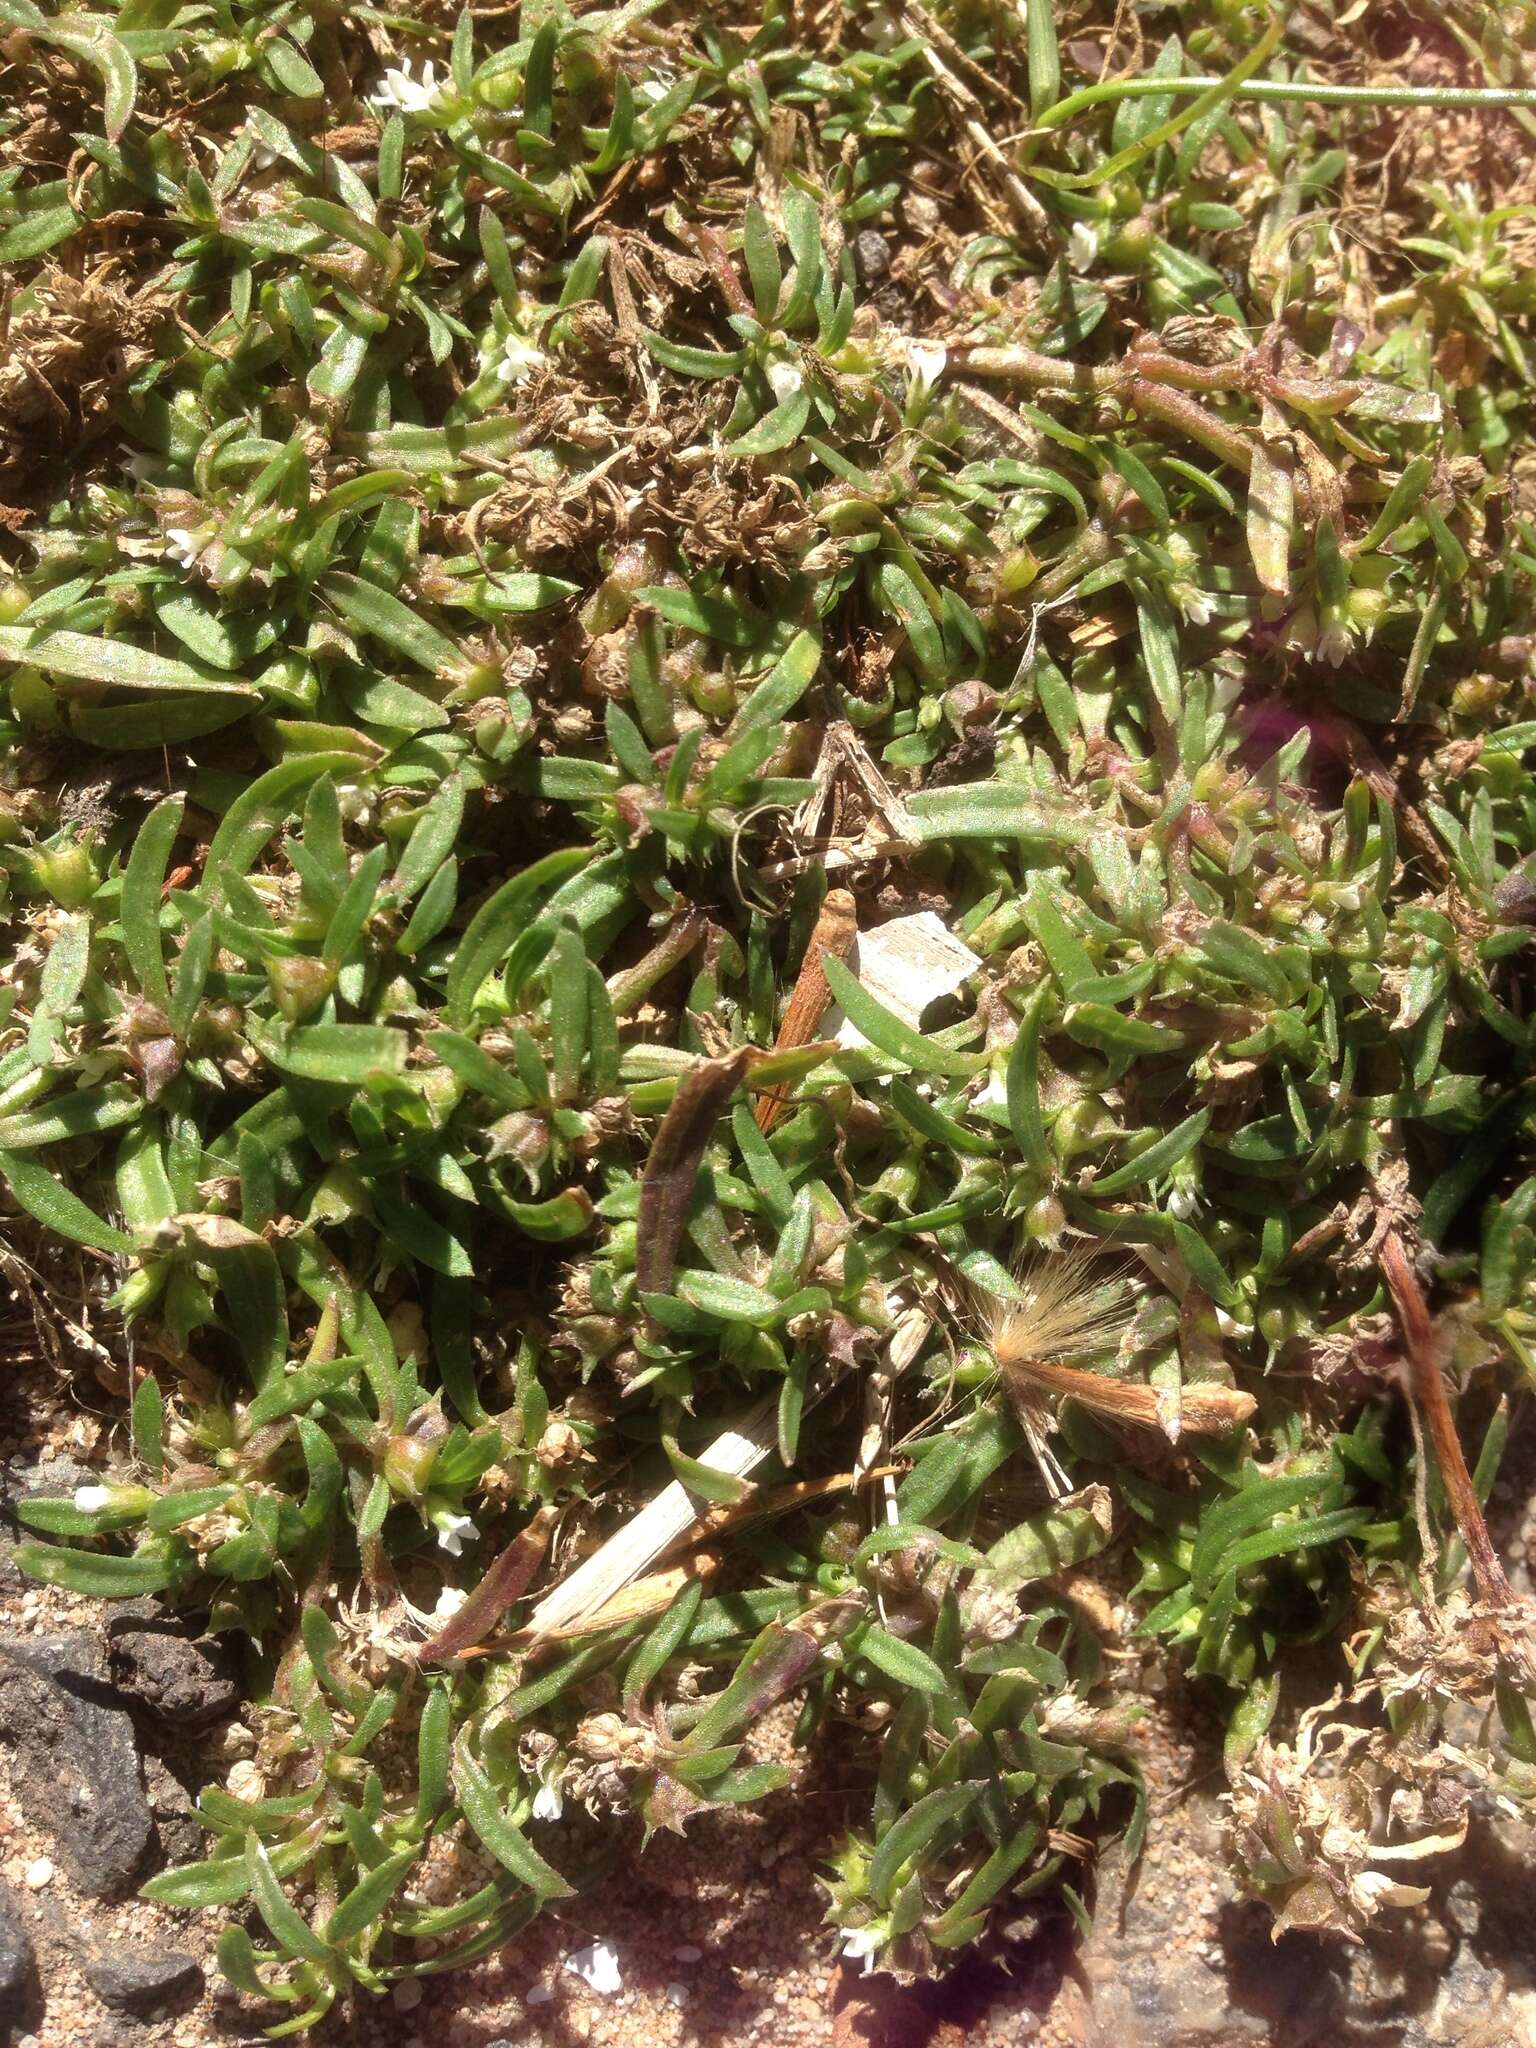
x=713, y=251
x=836, y=929
x=1178, y=410
x=1430, y=1398
x=629, y=987
x=1156, y=384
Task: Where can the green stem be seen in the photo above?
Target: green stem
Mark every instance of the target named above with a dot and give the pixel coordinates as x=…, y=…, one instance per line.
x=1214, y=95
x=1277, y=91
x=1090, y=548
x=1015, y=363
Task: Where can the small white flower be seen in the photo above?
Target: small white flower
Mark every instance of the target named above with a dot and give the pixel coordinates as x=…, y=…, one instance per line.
x=263, y=156
x=449, y=1601
x=1184, y=1203
x=785, y=379
x=186, y=543
x=90, y=1500
x=519, y=359
x=926, y=364
x=400, y=88
x=548, y=1801
x=1193, y=603
x=1333, y=644
x=1226, y=688
x=597, y=1966
x=452, y=1530
x=863, y=1944
x=1082, y=246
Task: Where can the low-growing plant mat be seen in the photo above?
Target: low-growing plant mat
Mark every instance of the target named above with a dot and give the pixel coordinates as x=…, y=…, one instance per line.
x=769, y=882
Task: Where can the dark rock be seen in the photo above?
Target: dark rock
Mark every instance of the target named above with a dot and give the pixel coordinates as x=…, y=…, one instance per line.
x=74, y=1761
x=163, y=1663
x=1463, y=1907
x=179, y=1838
x=137, y=1980
x=36, y=1478
x=17, y=1967
x=872, y=254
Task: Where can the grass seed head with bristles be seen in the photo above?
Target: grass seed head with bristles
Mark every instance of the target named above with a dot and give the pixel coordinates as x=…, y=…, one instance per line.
x=1071, y=1311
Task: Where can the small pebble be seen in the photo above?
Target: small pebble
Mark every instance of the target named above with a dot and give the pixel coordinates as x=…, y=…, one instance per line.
x=39, y=1873
x=407, y=1994
x=597, y=1965
x=541, y=1994
x=687, y=1954
x=678, y=1993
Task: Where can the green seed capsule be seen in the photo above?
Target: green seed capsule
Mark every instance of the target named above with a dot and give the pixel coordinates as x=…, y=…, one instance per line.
x=1017, y=570
x=1130, y=246
x=68, y=874
x=502, y=91
x=300, y=985
x=33, y=701
x=408, y=1464
x=141, y=1290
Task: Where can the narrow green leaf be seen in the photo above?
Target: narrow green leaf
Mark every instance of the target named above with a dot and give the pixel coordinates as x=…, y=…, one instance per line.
x=889, y=1034
x=1164, y=1152
x=45, y=1197
x=291, y=1931
x=1044, y=57
x=507, y=1844
x=139, y=908
x=491, y=931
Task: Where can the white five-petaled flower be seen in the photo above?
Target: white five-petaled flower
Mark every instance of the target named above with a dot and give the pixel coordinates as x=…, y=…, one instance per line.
x=90, y=1500
x=597, y=1966
x=186, y=543
x=926, y=363
x=520, y=357
x=1082, y=246
x=399, y=87
x=452, y=1530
